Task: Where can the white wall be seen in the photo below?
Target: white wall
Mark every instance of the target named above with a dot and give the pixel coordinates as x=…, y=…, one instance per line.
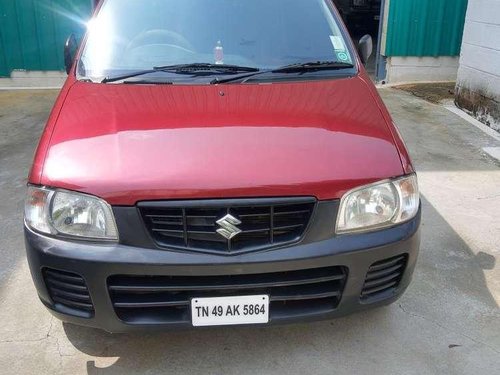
x=478, y=82
x=33, y=79
x=421, y=69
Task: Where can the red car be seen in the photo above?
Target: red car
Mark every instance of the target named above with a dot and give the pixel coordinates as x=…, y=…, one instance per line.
x=220, y=162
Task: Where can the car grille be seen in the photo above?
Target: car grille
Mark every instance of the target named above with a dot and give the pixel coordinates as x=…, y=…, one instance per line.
x=167, y=299
x=383, y=277
x=193, y=225
x=68, y=291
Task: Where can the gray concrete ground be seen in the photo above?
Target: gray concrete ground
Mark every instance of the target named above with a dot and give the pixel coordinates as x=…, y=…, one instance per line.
x=448, y=322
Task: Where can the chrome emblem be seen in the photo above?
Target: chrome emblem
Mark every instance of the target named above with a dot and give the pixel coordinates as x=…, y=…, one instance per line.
x=228, y=226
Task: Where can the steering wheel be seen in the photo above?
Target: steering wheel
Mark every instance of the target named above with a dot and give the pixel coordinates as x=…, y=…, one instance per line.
x=160, y=36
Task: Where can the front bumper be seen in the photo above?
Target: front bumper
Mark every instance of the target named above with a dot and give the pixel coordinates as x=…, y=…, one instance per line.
x=97, y=264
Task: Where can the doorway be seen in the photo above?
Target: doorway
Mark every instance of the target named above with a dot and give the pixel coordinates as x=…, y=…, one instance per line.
x=366, y=17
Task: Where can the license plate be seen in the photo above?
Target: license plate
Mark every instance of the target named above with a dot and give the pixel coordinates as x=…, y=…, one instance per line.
x=220, y=311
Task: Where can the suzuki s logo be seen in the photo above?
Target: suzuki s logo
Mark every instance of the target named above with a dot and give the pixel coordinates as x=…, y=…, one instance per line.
x=228, y=228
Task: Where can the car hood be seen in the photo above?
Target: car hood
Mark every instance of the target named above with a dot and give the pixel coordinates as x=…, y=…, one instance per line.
x=127, y=143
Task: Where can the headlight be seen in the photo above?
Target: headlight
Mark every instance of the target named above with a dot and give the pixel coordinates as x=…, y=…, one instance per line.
x=379, y=205
x=69, y=214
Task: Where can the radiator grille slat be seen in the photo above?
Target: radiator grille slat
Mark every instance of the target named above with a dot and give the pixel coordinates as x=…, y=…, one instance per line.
x=71, y=295
x=383, y=272
x=65, y=277
x=72, y=303
x=264, y=224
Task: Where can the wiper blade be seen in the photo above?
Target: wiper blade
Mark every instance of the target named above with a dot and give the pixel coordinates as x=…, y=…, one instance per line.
x=207, y=66
x=147, y=82
x=183, y=69
x=128, y=75
x=243, y=77
x=314, y=65
x=293, y=68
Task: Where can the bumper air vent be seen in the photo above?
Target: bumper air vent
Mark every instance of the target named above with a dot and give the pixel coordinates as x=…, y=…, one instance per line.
x=166, y=299
x=383, y=277
x=68, y=292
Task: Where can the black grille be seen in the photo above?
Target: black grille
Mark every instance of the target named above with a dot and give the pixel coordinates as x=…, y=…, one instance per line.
x=193, y=225
x=166, y=299
x=383, y=277
x=68, y=290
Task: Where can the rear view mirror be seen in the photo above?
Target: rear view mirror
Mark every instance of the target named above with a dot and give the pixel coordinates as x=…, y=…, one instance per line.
x=365, y=48
x=70, y=48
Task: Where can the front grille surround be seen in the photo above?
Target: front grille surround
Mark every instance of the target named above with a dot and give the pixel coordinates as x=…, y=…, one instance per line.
x=191, y=225
x=167, y=299
x=68, y=291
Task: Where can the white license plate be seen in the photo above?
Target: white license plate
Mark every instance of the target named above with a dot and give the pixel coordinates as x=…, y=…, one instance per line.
x=220, y=311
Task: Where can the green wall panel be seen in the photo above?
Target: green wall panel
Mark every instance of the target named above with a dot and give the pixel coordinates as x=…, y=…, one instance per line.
x=33, y=32
x=425, y=27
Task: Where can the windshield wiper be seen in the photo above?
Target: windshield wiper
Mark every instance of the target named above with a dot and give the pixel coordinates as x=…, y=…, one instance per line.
x=292, y=68
x=207, y=66
x=313, y=65
x=185, y=69
x=147, y=82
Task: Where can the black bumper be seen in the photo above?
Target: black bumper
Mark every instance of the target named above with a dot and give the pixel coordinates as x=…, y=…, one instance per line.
x=352, y=255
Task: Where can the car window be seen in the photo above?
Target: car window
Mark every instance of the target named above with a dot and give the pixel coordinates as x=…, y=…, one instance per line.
x=129, y=35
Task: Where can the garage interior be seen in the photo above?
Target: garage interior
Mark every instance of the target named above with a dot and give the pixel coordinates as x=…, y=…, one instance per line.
x=363, y=17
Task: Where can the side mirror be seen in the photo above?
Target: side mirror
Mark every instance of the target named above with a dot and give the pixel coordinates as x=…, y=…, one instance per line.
x=70, y=48
x=365, y=48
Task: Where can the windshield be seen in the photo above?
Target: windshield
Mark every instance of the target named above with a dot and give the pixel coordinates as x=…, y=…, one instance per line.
x=133, y=35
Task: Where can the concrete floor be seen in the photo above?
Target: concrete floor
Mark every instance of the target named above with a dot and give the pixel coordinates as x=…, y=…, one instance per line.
x=448, y=322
